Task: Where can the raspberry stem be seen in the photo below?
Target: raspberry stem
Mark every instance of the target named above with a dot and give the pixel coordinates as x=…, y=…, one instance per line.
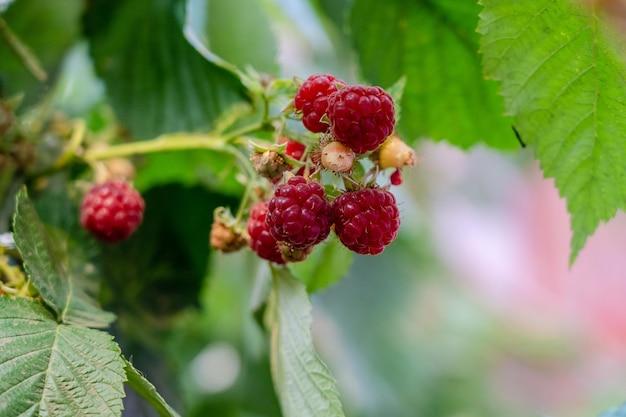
x=244, y=201
x=177, y=142
x=80, y=128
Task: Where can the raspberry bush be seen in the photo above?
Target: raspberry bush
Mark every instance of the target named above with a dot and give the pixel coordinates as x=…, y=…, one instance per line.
x=166, y=196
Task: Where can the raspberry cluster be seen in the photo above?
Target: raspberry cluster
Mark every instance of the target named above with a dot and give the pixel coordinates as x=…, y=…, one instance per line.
x=300, y=216
x=352, y=123
x=294, y=211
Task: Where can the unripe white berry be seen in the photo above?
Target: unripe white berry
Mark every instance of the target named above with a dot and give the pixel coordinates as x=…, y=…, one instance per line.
x=337, y=157
x=394, y=153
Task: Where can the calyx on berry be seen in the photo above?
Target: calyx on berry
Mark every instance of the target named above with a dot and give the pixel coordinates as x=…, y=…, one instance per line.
x=225, y=235
x=269, y=164
x=291, y=254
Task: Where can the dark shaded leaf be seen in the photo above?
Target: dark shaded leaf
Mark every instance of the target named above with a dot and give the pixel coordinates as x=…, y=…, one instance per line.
x=156, y=81
x=48, y=29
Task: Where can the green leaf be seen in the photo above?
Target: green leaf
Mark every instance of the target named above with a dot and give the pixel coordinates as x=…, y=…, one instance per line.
x=146, y=390
x=214, y=170
x=303, y=383
x=48, y=29
x=396, y=91
x=156, y=80
x=335, y=10
x=51, y=271
x=327, y=264
x=167, y=258
x=55, y=370
x=235, y=31
x=565, y=85
x=434, y=44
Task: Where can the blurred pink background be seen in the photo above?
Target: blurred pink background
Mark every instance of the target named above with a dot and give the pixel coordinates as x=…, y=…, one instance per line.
x=502, y=232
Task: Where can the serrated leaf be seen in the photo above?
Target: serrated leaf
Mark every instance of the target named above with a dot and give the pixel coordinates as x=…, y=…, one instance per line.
x=48, y=369
x=303, y=383
x=396, y=91
x=156, y=80
x=327, y=264
x=57, y=27
x=146, y=390
x=565, y=85
x=434, y=44
x=235, y=31
x=47, y=264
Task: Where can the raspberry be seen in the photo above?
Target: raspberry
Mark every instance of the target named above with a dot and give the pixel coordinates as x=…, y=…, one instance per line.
x=112, y=211
x=261, y=241
x=299, y=214
x=312, y=100
x=361, y=117
x=366, y=220
x=337, y=157
x=396, y=177
x=394, y=153
x=295, y=149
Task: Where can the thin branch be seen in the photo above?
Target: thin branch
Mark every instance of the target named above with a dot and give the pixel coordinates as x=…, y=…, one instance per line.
x=22, y=51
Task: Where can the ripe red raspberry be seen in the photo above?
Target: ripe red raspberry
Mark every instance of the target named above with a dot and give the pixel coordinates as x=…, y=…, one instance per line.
x=299, y=214
x=295, y=149
x=312, y=100
x=361, y=117
x=261, y=241
x=366, y=220
x=112, y=211
x=396, y=177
